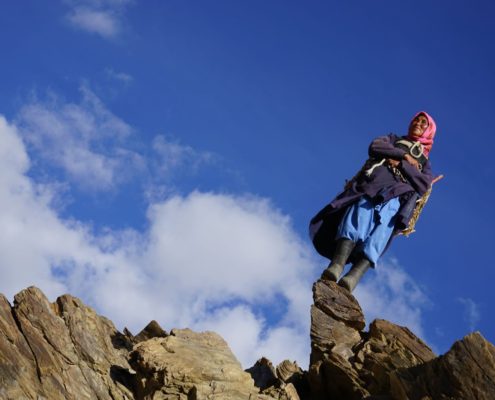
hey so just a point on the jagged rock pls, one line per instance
(263, 374)
(389, 361)
(290, 392)
(388, 348)
(284, 392)
(339, 380)
(466, 371)
(153, 329)
(188, 365)
(18, 375)
(100, 348)
(279, 383)
(71, 352)
(64, 350)
(400, 341)
(50, 342)
(330, 335)
(338, 303)
(336, 319)
(288, 371)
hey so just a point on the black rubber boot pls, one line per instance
(342, 252)
(352, 278)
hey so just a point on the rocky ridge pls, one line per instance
(388, 361)
(64, 350)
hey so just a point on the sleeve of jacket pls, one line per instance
(419, 180)
(383, 147)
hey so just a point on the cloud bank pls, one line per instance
(93, 148)
(206, 261)
(85, 140)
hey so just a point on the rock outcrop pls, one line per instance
(191, 366)
(285, 382)
(64, 350)
(389, 361)
(58, 351)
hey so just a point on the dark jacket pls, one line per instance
(380, 186)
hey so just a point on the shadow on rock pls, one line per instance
(123, 376)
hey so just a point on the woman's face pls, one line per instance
(418, 126)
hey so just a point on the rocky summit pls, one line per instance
(64, 350)
(388, 361)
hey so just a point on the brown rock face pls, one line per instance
(389, 361)
(18, 374)
(336, 321)
(338, 304)
(466, 371)
(263, 373)
(64, 350)
(189, 365)
(71, 351)
(285, 382)
(152, 330)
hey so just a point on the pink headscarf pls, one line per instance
(427, 138)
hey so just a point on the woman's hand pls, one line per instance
(393, 163)
(411, 160)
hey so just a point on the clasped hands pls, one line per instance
(410, 159)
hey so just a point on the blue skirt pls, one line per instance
(369, 226)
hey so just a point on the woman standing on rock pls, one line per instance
(379, 202)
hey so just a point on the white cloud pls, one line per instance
(205, 253)
(32, 237)
(390, 293)
(239, 327)
(472, 314)
(285, 342)
(92, 146)
(172, 155)
(202, 256)
(119, 76)
(104, 23)
(85, 140)
(170, 161)
(101, 17)
(251, 339)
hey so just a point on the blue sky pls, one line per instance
(162, 159)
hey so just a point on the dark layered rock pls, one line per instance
(338, 304)
(285, 382)
(18, 373)
(152, 330)
(386, 349)
(289, 372)
(389, 362)
(466, 371)
(263, 373)
(336, 323)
